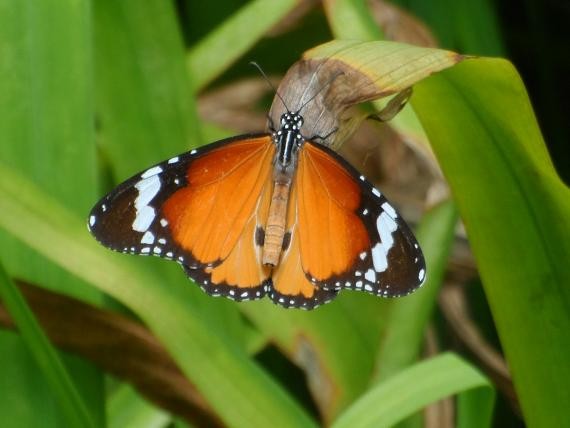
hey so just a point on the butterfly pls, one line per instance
(273, 214)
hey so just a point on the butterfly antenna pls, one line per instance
(332, 79)
(256, 65)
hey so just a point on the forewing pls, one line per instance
(200, 209)
(350, 235)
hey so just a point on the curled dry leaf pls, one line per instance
(332, 78)
(119, 346)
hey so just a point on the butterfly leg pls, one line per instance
(394, 106)
(322, 138)
(271, 124)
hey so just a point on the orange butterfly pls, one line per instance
(268, 214)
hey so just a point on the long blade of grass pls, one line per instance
(327, 343)
(127, 409)
(407, 320)
(226, 43)
(45, 355)
(147, 109)
(47, 133)
(351, 20)
(515, 209)
(237, 388)
(144, 99)
(411, 390)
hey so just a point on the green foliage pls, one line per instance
(78, 76)
(515, 209)
(44, 354)
(402, 395)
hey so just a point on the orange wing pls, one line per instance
(290, 285)
(345, 234)
(201, 209)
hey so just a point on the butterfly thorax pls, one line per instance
(288, 140)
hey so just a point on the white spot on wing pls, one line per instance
(174, 159)
(193, 151)
(379, 258)
(376, 192)
(370, 275)
(385, 226)
(151, 172)
(147, 238)
(422, 274)
(92, 220)
(144, 219)
(163, 222)
(389, 209)
(362, 255)
(148, 189)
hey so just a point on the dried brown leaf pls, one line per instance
(119, 346)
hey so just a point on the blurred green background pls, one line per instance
(94, 91)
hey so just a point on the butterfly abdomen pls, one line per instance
(276, 221)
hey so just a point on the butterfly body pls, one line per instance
(265, 214)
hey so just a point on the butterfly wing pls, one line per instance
(290, 287)
(201, 209)
(349, 234)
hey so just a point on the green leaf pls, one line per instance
(465, 25)
(408, 318)
(127, 409)
(327, 343)
(45, 355)
(46, 117)
(411, 390)
(147, 110)
(47, 133)
(235, 386)
(145, 101)
(351, 20)
(515, 210)
(226, 43)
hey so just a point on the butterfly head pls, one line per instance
(291, 122)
